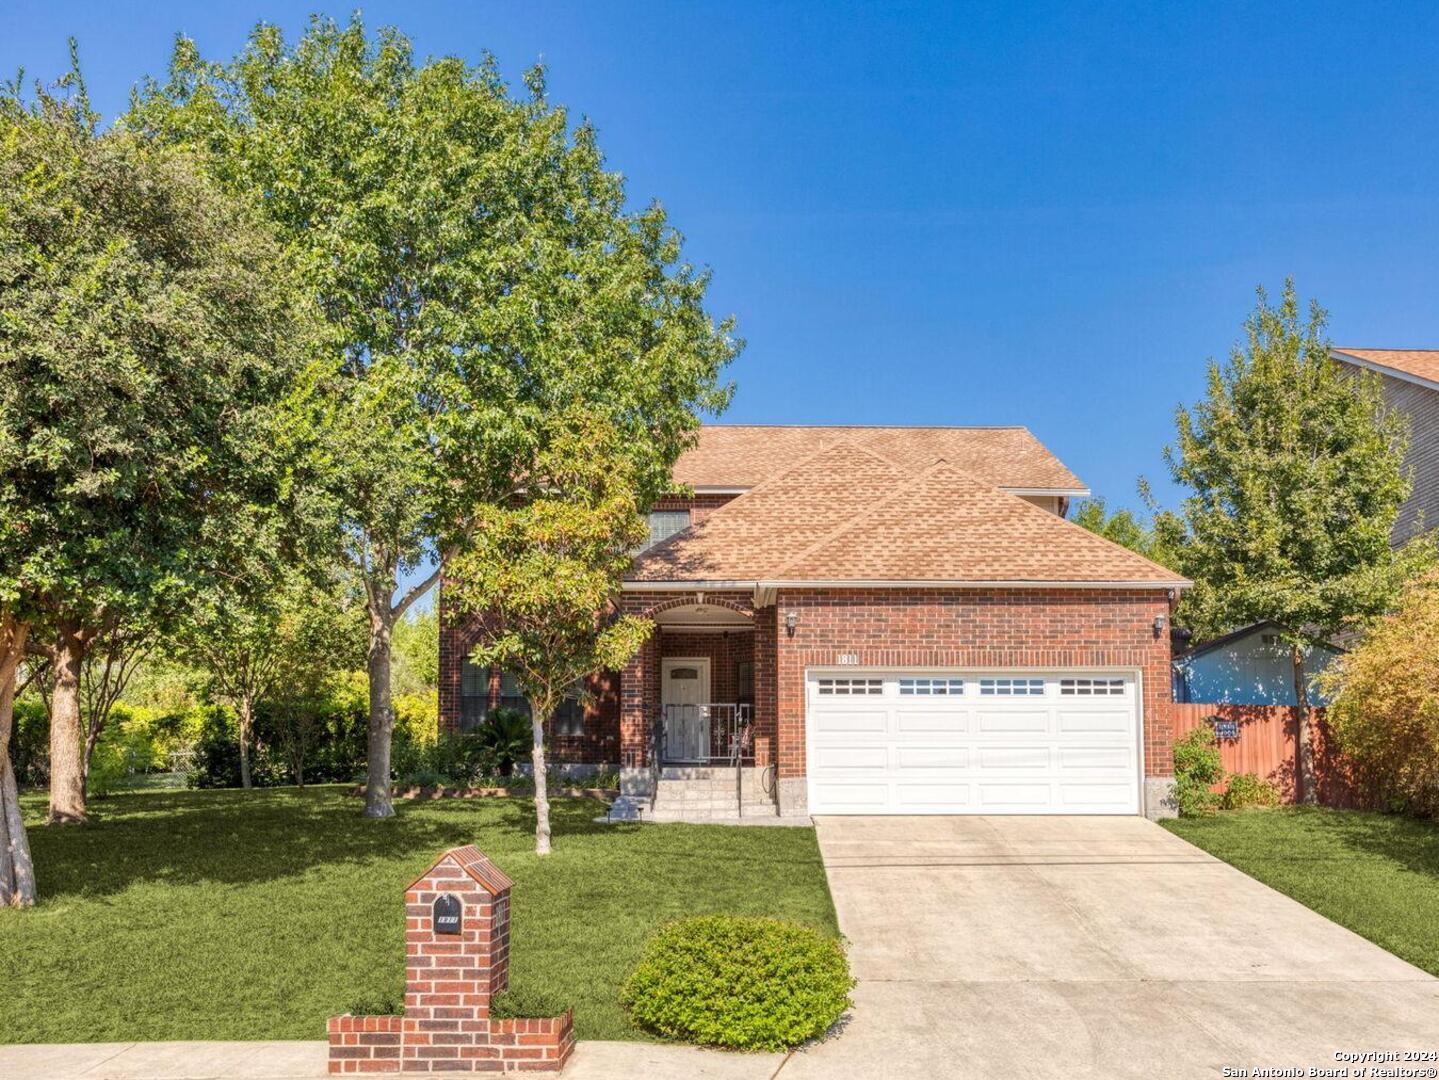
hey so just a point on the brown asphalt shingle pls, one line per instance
(847, 513)
(743, 455)
(1421, 363)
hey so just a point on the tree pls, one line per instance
(17, 870)
(1385, 706)
(1121, 527)
(115, 655)
(1297, 475)
(148, 324)
(545, 569)
(272, 640)
(478, 269)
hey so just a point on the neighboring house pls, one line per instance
(878, 620)
(1410, 378)
(1249, 666)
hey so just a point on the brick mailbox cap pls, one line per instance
(470, 859)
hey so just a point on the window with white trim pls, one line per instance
(851, 687)
(931, 687)
(664, 524)
(1011, 687)
(1091, 687)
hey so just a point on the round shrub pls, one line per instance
(1197, 769)
(1246, 790)
(746, 983)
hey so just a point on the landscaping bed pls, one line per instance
(258, 915)
(1377, 874)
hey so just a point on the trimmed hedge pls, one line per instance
(741, 982)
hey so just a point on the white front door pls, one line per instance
(973, 742)
(684, 693)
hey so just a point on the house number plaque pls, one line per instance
(447, 914)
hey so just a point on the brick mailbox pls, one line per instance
(457, 957)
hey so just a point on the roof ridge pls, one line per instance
(850, 522)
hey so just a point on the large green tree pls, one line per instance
(1296, 476)
(478, 268)
(544, 570)
(147, 328)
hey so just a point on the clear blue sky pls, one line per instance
(1039, 214)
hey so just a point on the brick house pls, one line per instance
(876, 620)
(1410, 381)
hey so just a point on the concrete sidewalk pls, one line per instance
(307, 1061)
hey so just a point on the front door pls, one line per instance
(684, 693)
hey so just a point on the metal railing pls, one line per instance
(716, 733)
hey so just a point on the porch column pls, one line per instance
(637, 707)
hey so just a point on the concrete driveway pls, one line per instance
(1090, 947)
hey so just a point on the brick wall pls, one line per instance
(700, 506)
(450, 980)
(973, 628)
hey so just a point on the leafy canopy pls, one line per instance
(544, 569)
(475, 262)
(1296, 473)
(146, 332)
(1122, 527)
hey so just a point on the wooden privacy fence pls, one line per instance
(1265, 745)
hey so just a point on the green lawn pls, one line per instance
(1377, 874)
(233, 915)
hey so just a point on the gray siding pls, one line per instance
(1421, 404)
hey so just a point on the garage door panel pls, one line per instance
(933, 757)
(914, 750)
(926, 721)
(995, 721)
(852, 721)
(1085, 721)
(914, 797)
(852, 757)
(1031, 758)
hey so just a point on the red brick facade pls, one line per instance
(450, 980)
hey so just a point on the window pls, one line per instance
(511, 696)
(474, 694)
(685, 673)
(931, 687)
(1011, 687)
(569, 718)
(664, 524)
(1091, 687)
(744, 682)
(851, 687)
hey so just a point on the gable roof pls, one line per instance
(846, 514)
(744, 455)
(1230, 638)
(1412, 365)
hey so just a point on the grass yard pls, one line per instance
(256, 915)
(1377, 874)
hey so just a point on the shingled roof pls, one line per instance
(1418, 363)
(846, 513)
(743, 455)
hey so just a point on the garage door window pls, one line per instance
(850, 687)
(1011, 687)
(931, 687)
(1091, 687)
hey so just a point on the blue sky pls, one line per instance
(1036, 214)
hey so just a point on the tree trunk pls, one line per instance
(542, 795)
(17, 871)
(1305, 791)
(67, 771)
(247, 712)
(382, 718)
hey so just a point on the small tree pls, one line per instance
(1122, 527)
(545, 570)
(1385, 706)
(1297, 474)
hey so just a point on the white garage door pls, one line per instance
(973, 743)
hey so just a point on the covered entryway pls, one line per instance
(973, 742)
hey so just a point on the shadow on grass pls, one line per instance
(238, 838)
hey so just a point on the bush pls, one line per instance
(525, 1004)
(507, 739)
(1385, 709)
(746, 983)
(1196, 769)
(1246, 790)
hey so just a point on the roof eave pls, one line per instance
(1383, 369)
(720, 585)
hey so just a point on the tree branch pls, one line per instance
(418, 591)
